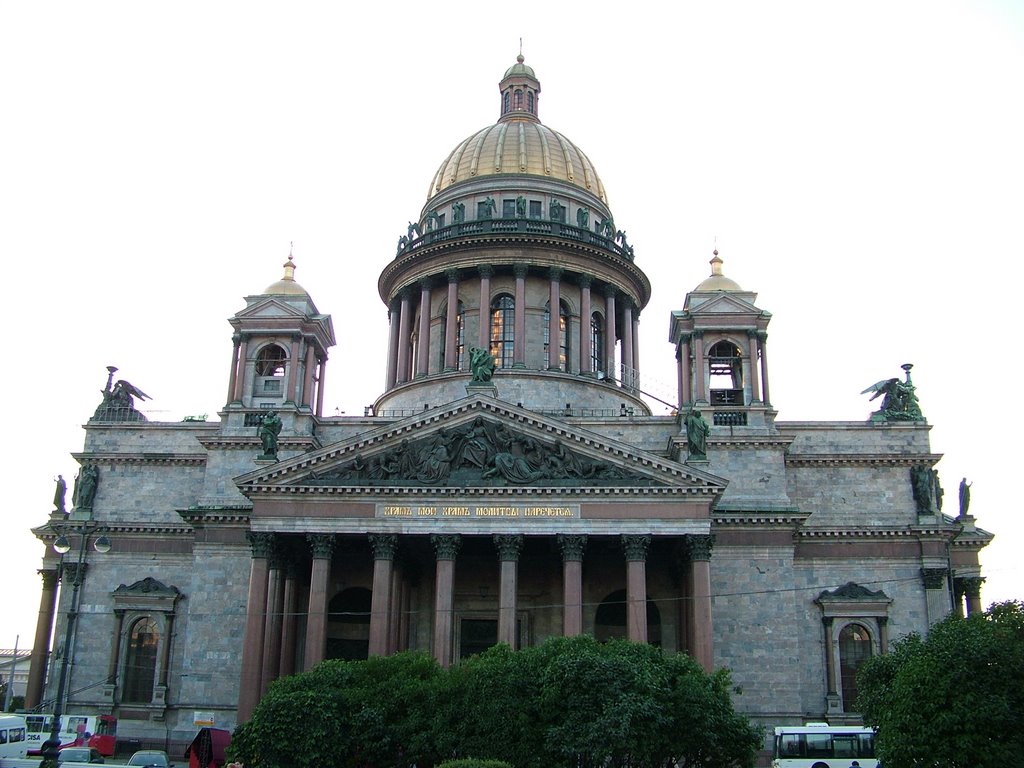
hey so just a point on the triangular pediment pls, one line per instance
(723, 304)
(269, 307)
(481, 443)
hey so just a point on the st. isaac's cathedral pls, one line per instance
(510, 484)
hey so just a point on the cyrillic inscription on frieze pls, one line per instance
(477, 512)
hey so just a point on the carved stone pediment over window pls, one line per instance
(147, 594)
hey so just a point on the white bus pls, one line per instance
(820, 745)
(13, 741)
(98, 731)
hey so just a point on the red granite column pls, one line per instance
(289, 618)
(554, 318)
(243, 353)
(628, 371)
(972, 589)
(609, 336)
(509, 547)
(635, 548)
(423, 333)
(392, 372)
(322, 546)
(701, 393)
(572, 547)
(384, 546)
(404, 321)
(41, 645)
(755, 386)
(275, 606)
(519, 349)
(320, 385)
(484, 329)
(700, 568)
(307, 380)
(762, 338)
(685, 383)
(636, 349)
(585, 319)
(233, 373)
(451, 325)
(255, 626)
(447, 548)
(395, 617)
(293, 370)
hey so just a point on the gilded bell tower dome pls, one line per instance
(516, 253)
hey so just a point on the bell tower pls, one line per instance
(720, 338)
(280, 350)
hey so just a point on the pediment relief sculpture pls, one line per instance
(482, 453)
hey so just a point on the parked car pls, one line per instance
(150, 758)
(79, 755)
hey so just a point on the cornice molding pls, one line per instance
(179, 459)
(862, 459)
(242, 442)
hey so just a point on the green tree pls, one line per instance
(953, 699)
(568, 702)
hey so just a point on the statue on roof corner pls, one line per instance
(268, 432)
(697, 431)
(481, 365)
(900, 402)
(119, 400)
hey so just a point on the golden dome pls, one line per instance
(717, 281)
(518, 144)
(286, 286)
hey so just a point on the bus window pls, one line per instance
(819, 744)
(789, 745)
(845, 745)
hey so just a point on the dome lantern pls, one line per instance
(520, 92)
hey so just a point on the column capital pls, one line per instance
(572, 546)
(585, 280)
(49, 578)
(555, 273)
(452, 274)
(485, 270)
(610, 291)
(762, 335)
(446, 546)
(384, 545)
(934, 578)
(321, 545)
(635, 547)
(261, 543)
(827, 621)
(972, 585)
(75, 571)
(520, 270)
(425, 284)
(509, 546)
(752, 333)
(697, 333)
(699, 547)
(236, 338)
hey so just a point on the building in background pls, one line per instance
(511, 483)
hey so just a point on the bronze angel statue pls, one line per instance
(899, 402)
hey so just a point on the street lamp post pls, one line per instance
(63, 545)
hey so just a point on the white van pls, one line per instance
(12, 736)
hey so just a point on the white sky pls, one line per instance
(861, 165)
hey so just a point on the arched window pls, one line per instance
(140, 661)
(348, 624)
(529, 102)
(563, 336)
(460, 335)
(503, 330)
(854, 650)
(596, 343)
(519, 99)
(726, 367)
(505, 103)
(271, 361)
(610, 619)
